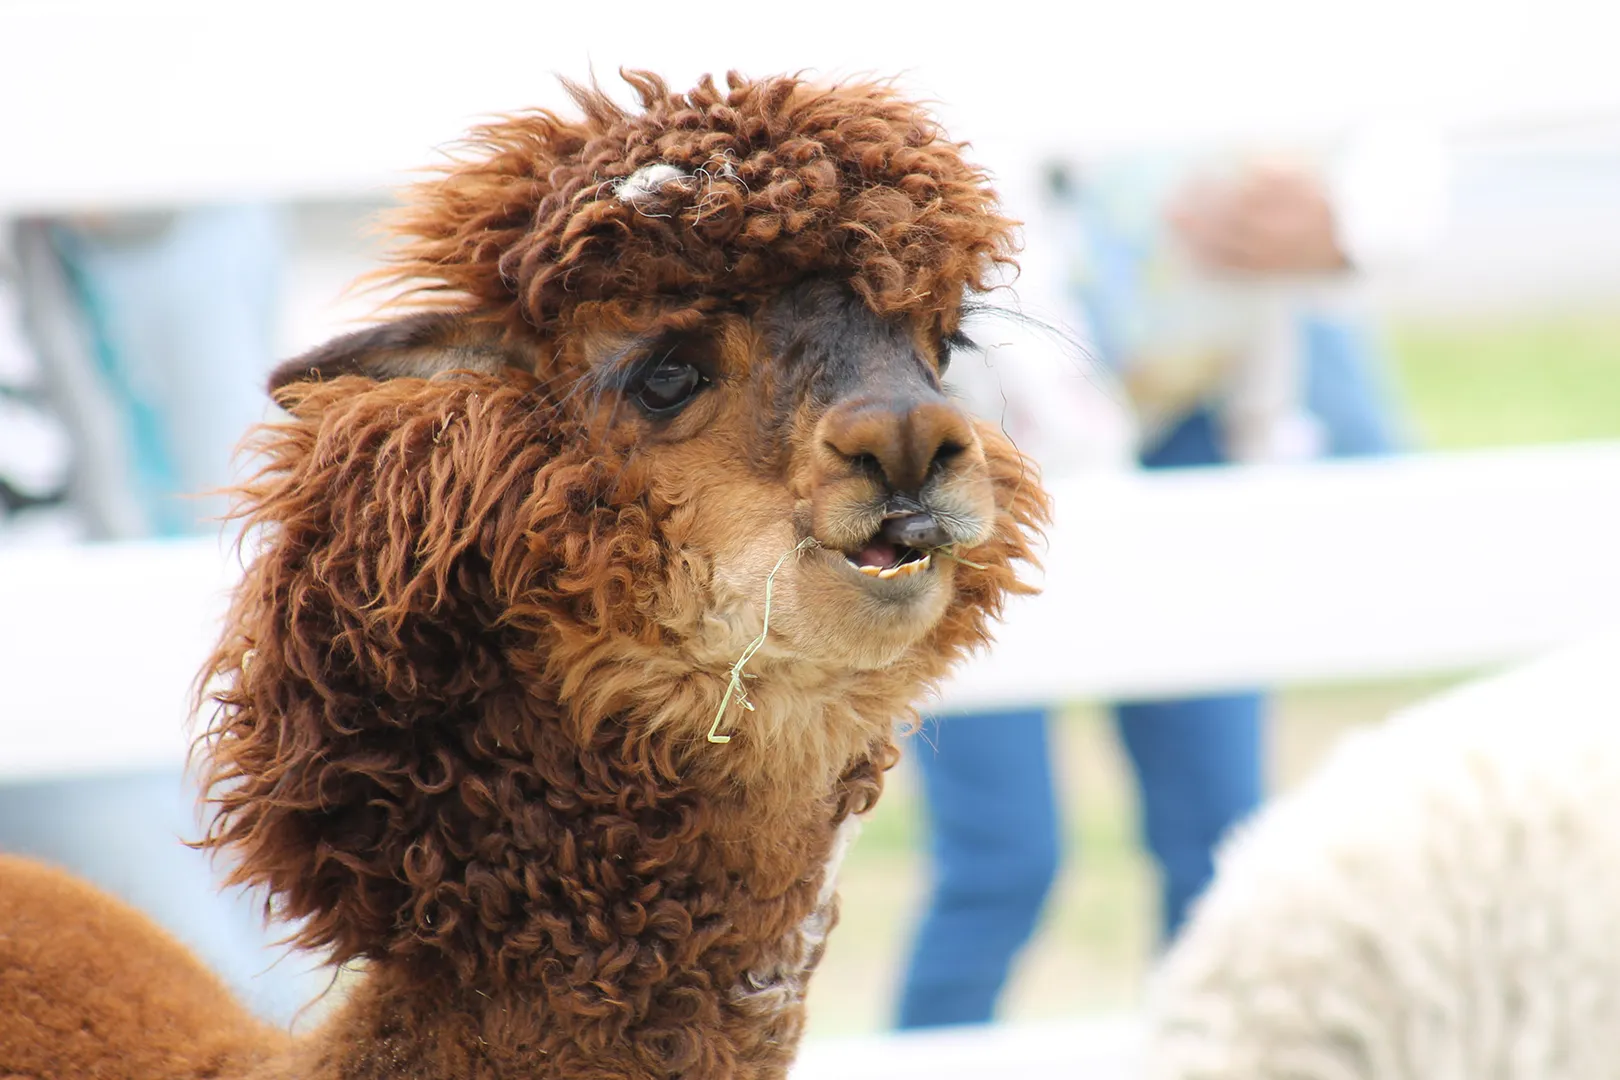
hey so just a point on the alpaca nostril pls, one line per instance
(915, 531)
(944, 454)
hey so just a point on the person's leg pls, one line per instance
(1198, 764)
(1198, 761)
(1348, 388)
(987, 786)
(1195, 441)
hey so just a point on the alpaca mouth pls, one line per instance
(881, 559)
(903, 545)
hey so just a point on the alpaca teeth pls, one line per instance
(916, 566)
(903, 570)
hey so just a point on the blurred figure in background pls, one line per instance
(1219, 296)
(153, 334)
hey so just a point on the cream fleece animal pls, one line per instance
(1440, 902)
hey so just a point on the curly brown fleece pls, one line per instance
(462, 695)
(786, 179)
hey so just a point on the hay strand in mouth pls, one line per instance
(735, 691)
(949, 551)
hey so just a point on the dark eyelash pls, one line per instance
(621, 371)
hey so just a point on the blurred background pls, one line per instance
(1381, 232)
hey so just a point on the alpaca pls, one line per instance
(1437, 903)
(482, 727)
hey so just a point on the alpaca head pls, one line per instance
(662, 360)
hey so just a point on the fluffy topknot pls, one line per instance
(708, 193)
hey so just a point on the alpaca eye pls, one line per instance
(668, 386)
(948, 347)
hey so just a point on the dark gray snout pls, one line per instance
(919, 531)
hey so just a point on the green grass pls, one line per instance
(1507, 383)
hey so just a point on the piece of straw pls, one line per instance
(950, 553)
(735, 691)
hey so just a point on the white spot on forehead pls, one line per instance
(644, 185)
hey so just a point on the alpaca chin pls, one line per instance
(823, 611)
(859, 624)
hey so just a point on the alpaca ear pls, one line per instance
(417, 346)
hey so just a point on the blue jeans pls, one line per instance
(987, 781)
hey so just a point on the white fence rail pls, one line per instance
(1103, 1048)
(1218, 579)
(1158, 583)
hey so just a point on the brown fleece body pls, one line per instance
(89, 987)
(495, 589)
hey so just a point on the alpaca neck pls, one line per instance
(706, 980)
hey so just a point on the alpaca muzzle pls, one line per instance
(914, 476)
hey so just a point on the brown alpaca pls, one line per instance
(505, 554)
